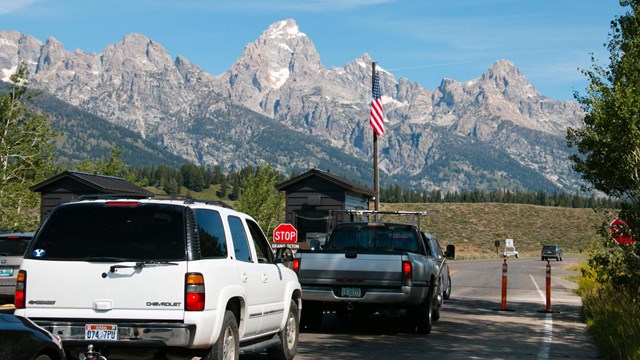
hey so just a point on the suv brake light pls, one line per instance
(21, 290)
(194, 292)
(296, 265)
(123, 203)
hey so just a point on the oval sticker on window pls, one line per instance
(38, 252)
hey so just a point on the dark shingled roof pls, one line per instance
(338, 180)
(102, 183)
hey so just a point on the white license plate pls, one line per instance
(351, 292)
(6, 271)
(100, 332)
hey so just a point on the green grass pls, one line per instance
(613, 319)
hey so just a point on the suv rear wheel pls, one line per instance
(228, 345)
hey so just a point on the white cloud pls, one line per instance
(9, 6)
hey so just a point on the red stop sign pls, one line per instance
(285, 233)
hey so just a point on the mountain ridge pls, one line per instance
(136, 84)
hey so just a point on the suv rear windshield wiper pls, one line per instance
(140, 265)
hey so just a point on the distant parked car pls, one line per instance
(21, 339)
(551, 251)
(12, 248)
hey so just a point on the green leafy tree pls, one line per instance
(608, 143)
(260, 199)
(26, 154)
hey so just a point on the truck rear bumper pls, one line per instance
(405, 295)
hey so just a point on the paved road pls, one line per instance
(472, 325)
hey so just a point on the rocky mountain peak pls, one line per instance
(285, 29)
(281, 53)
(136, 52)
(504, 78)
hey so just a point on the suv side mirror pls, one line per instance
(284, 255)
(450, 253)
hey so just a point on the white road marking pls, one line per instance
(545, 347)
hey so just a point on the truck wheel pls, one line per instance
(288, 346)
(311, 315)
(447, 290)
(228, 345)
(422, 315)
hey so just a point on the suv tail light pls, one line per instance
(407, 270)
(194, 292)
(21, 290)
(296, 265)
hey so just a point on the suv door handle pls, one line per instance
(265, 278)
(244, 277)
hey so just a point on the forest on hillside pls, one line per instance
(198, 178)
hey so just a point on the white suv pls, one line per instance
(160, 278)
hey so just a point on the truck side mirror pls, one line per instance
(450, 253)
(314, 245)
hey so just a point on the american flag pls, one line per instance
(377, 120)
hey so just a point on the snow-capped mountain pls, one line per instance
(493, 131)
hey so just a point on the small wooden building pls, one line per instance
(310, 196)
(71, 185)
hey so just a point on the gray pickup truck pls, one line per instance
(369, 267)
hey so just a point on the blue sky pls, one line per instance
(421, 40)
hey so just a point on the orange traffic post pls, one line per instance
(504, 285)
(548, 308)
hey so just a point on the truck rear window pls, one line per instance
(13, 247)
(379, 238)
(96, 232)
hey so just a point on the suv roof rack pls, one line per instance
(190, 200)
(112, 196)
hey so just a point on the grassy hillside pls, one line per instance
(474, 227)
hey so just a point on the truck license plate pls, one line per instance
(6, 271)
(100, 332)
(351, 292)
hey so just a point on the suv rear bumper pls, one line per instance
(129, 333)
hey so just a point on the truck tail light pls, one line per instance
(295, 265)
(194, 292)
(407, 270)
(21, 290)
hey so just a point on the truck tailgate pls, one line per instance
(362, 270)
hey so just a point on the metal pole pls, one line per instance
(376, 187)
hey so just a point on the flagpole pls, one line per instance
(376, 185)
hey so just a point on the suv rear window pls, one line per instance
(99, 232)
